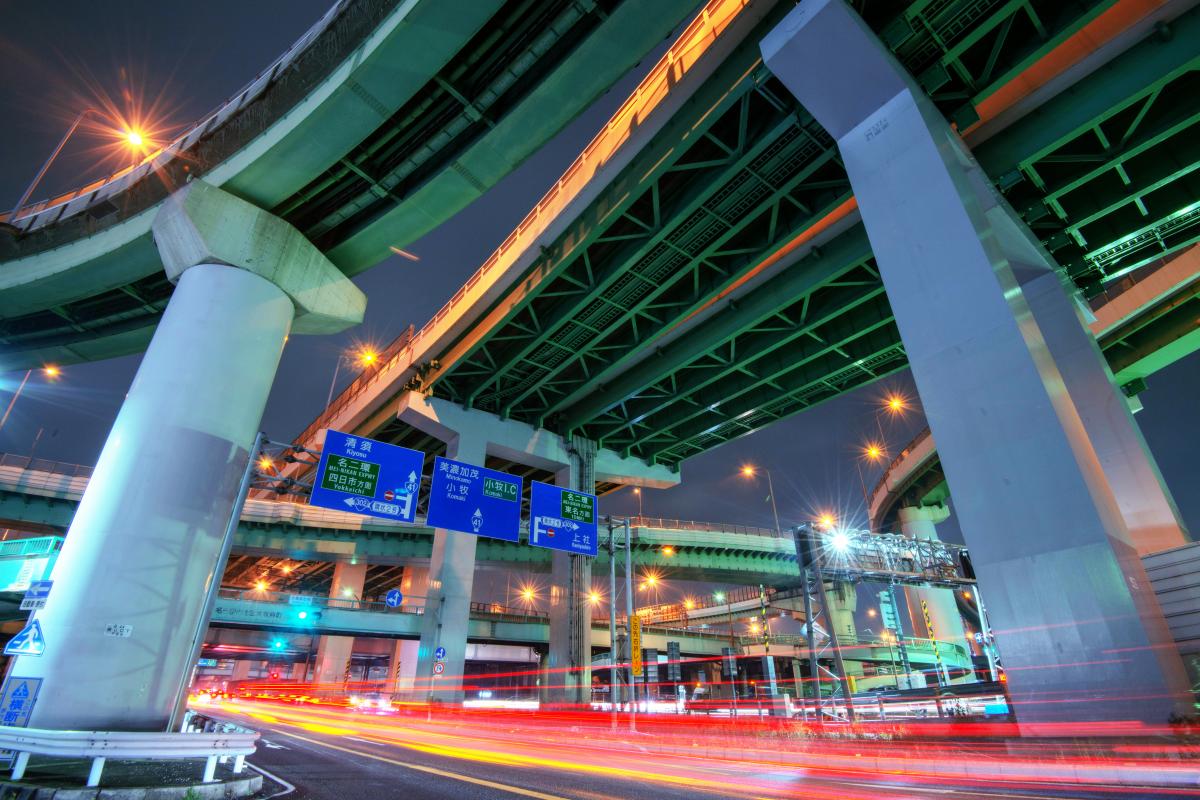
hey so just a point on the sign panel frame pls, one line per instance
(476, 500)
(635, 645)
(365, 476)
(563, 519)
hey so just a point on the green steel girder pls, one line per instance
(812, 322)
(961, 51)
(732, 320)
(769, 404)
(617, 268)
(701, 251)
(716, 126)
(806, 362)
(761, 234)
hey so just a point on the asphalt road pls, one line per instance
(326, 761)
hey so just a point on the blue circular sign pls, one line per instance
(393, 598)
(440, 653)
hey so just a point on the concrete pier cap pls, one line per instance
(522, 443)
(201, 224)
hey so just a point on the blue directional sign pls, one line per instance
(35, 595)
(367, 477)
(17, 699)
(29, 642)
(474, 499)
(393, 599)
(562, 519)
(439, 654)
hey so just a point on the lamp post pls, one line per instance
(750, 471)
(364, 358)
(132, 137)
(638, 491)
(50, 371)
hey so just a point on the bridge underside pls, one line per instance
(663, 322)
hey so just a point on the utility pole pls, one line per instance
(629, 612)
(612, 623)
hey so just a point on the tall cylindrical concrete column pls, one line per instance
(448, 599)
(144, 543)
(843, 603)
(334, 652)
(142, 551)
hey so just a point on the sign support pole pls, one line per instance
(629, 611)
(214, 583)
(612, 624)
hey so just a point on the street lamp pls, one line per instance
(131, 136)
(637, 490)
(362, 357)
(749, 471)
(895, 404)
(50, 371)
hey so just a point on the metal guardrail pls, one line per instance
(102, 745)
(316, 601)
(45, 465)
(705, 29)
(705, 527)
(45, 212)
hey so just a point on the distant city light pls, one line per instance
(689, 603)
(347, 591)
(668, 550)
(265, 463)
(719, 597)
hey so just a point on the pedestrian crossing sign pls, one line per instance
(29, 642)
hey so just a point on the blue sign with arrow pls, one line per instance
(475, 500)
(439, 654)
(393, 599)
(367, 477)
(29, 642)
(562, 519)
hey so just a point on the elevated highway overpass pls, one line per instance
(700, 272)
(42, 497)
(384, 120)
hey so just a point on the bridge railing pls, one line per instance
(705, 29)
(304, 601)
(45, 465)
(665, 523)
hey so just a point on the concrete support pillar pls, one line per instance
(299, 672)
(153, 517)
(1050, 545)
(944, 616)
(241, 669)
(843, 603)
(448, 598)
(569, 680)
(415, 586)
(403, 665)
(334, 652)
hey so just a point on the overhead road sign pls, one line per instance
(29, 642)
(472, 499)
(367, 477)
(562, 519)
(35, 595)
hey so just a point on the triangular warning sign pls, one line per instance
(29, 642)
(22, 690)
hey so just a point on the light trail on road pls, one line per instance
(530, 753)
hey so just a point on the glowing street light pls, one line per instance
(750, 471)
(689, 603)
(827, 520)
(362, 357)
(873, 451)
(260, 586)
(895, 404)
(50, 371)
(840, 541)
(266, 464)
(134, 138)
(668, 550)
(594, 598)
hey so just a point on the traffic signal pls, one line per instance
(274, 676)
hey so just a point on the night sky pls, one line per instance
(56, 58)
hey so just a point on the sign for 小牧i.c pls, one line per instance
(635, 644)
(472, 499)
